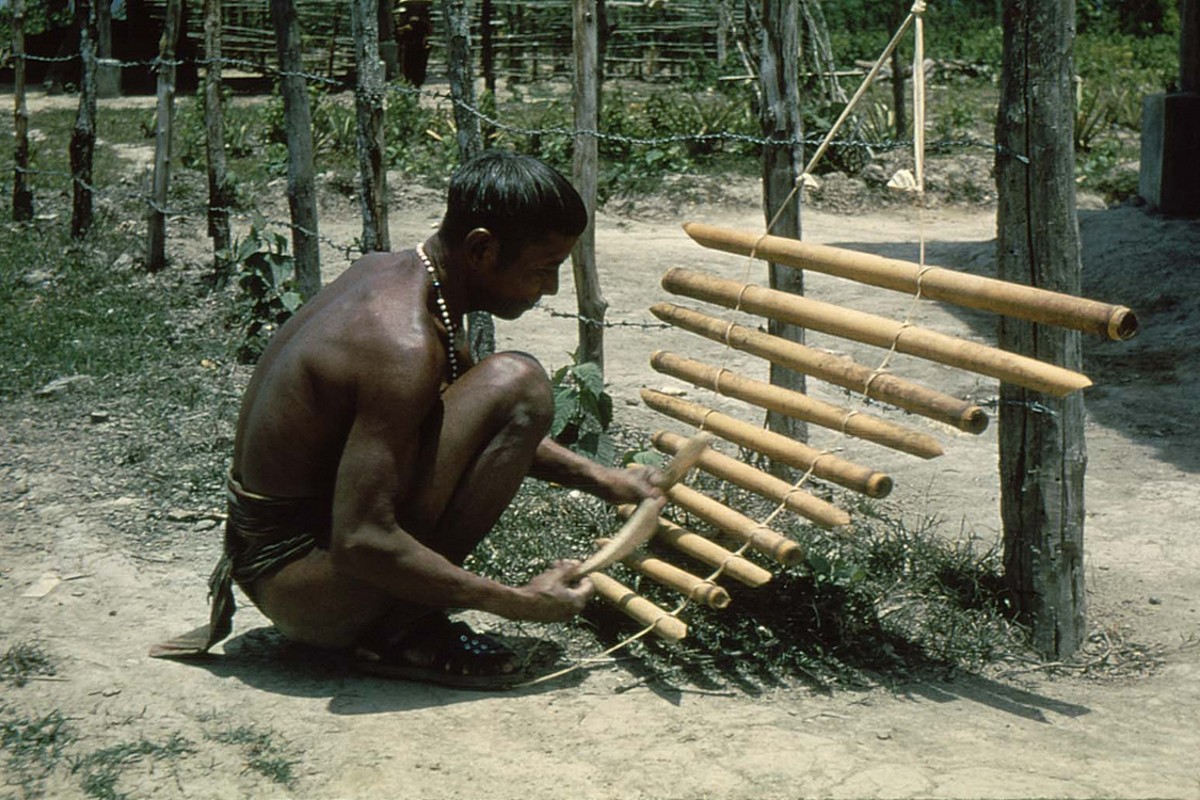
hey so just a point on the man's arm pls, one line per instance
(556, 463)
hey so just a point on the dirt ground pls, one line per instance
(602, 734)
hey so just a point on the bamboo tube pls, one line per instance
(671, 576)
(763, 539)
(878, 331)
(706, 551)
(936, 283)
(638, 607)
(795, 404)
(781, 448)
(837, 370)
(753, 480)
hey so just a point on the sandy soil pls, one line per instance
(603, 734)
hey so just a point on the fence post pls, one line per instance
(220, 192)
(156, 250)
(22, 198)
(368, 101)
(782, 164)
(83, 137)
(592, 305)
(481, 328)
(1043, 455)
(301, 188)
(108, 76)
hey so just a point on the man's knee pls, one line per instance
(523, 386)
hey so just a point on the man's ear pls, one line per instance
(482, 249)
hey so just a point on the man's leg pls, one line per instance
(475, 454)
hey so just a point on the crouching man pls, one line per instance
(372, 455)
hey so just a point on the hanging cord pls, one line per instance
(915, 15)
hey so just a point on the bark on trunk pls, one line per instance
(22, 198)
(156, 248)
(782, 164)
(301, 189)
(1042, 452)
(589, 297)
(220, 191)
(372, 191)
(83, 137)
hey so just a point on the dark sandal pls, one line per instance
(457, 656)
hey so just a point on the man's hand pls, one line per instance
(631, 485)
(556, 595)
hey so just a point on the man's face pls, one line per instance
(514, 288)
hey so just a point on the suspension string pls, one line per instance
(915, 15)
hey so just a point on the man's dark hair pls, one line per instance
(516, 197)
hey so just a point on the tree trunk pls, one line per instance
(156, 247)
(481, 328)
(220, 191)
(899, 104)
(22, 198)
(782, 164)
(83, 137)
(1042, 451)
(301, 191)
(372, 190)
(590, 299)
(1189, 46)
(108, 76)
(487, 46)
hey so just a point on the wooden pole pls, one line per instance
(156, 246)
(220, 189)
(1043, 455)
(737, 525)
(936, 283)
(108, 76)
(785, 401)
(638, 608)
(368, 103)
(837, 370)
(481, 328)
(22, 197)
(671, 576)
(783, 161)
(83, 137)
(773, 445)
(878, 331)
(589, 297)
(775, 489)
(1189, 46)
(301, 185)
(705, 551)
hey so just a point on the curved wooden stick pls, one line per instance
(644, 522)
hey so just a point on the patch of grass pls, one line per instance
(101, 770)
(893, 599)
(262, 751)
(23, 660)
(33, 747)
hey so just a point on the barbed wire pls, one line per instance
(497, 124)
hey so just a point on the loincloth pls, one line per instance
(262, 535)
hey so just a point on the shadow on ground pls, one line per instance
(264, 659)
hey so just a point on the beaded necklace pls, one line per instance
(444, 311)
